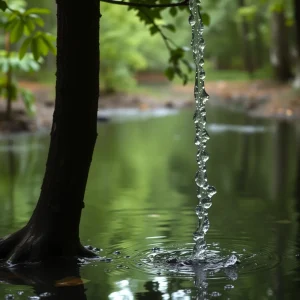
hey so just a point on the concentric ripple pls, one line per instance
(220, 262)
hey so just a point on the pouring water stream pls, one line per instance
(205, 191)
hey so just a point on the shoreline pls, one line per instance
(259, 99)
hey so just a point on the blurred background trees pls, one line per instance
(249, 38)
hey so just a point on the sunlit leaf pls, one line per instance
(35, 10)
(17, 32)
(48, 40)
(37, 20)
(24, 47)
(35, 48)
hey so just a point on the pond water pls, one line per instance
(140, 203)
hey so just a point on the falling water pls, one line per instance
(204, 190)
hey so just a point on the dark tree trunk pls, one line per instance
(53, 229)
(8, 80)
(297, 25)
(280, 59)
(247, 47)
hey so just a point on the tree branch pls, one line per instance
(135, 4)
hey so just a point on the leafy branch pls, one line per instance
(136, 4)
(176, 58)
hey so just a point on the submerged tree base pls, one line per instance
(26, 246)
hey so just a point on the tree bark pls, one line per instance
(53, 229)
(280, 47)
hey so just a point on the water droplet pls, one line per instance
(216, 294)
(201, 178)
(228, 287)
(206, 202)
(231, 261)
(197, 140)
(202, 75)
(117, 252)
(205, 136)
(199, 210)
(155, 249)
(46, 294)
(9, 297)
(192, 20)
(204, 156)
(211, 191)
(34, 298)
(198, 236)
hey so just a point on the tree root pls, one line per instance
(24, 246)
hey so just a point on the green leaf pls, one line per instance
(153, 29)
(38, 21)
(35, 48)
(9, 26)
(171, 27)
(17, 32)
(30, 25)
(173, 11)
(170, 72)
(24, 47)
(48, 40)
(29, 101)
(3, 5)
(35, 10)
(205, 19)
(42, 47)
(176, 54)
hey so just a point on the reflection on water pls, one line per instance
(141, 196)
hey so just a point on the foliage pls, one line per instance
(22, 27)
(120, 55)
(10, 87)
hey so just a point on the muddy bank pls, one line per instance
(257, 98)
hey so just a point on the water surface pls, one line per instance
(141, 197)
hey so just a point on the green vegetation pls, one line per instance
(239, 45)
(22, 31)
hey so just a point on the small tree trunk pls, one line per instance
(8, 80)
(247, 47)
(259, 46)
(53, 229)
(280, 47)
(297, 25)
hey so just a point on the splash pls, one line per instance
(204, 191)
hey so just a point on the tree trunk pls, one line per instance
(258, 42)
(280, 47)
(8, 80)
(53, 229)
(297, 25)
(247, 47)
